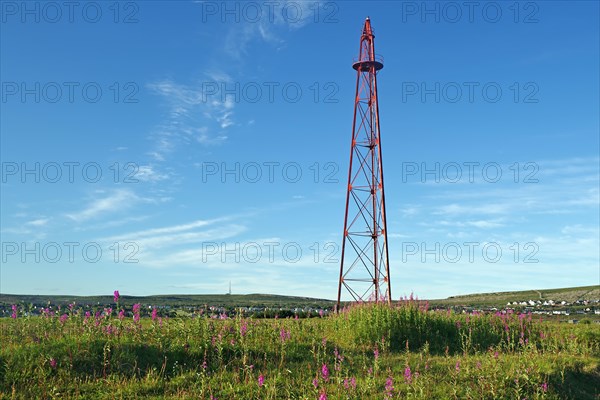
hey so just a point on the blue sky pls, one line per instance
(173, 147)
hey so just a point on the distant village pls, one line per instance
(217, 312)
(550, 307)
(571, 312)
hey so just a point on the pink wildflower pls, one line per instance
(325, 372)
(261, 380)
(407, 375)
(136, 312)
(284, 335)
(389, 388)
(243, 328)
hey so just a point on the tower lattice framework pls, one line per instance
(364, 267)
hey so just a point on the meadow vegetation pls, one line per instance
(367, 351)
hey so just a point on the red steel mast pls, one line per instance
(364, 267)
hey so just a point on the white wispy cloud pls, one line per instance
(484, 224)
(38, 222)
(191, 110)
(579, 229)
(116, 200)
(276, 19)
(167, 229)
(178, 244)
(148, 173)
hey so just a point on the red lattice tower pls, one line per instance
(364, 268)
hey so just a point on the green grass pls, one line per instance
(370, 352)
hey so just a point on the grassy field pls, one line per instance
(365, 352)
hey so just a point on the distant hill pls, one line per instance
(177, 300)
(275, 301)
(569, 295)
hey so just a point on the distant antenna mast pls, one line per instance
(229, 288)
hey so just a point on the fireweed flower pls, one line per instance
(121, 314)
(243, 328)
(338, 357)
(64, 318)
(154, 314)
(457, 366)
(350, 383)
(14, 311)
(544, 387)
(389, 388)
(315, 382)
(261, 380)
(323, 396)
(284, 335)
(116, 296)
(136, 312)
(407, 375)
(325, 372)
(53, 363)
(376, 353)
